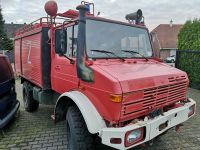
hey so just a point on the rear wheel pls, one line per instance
(30, 104)
(78, 136)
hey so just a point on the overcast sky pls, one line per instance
(155, 11)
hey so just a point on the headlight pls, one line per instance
(191, 110)
(134, 136)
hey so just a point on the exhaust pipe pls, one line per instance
(84, 72)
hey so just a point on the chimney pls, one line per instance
(171, 23)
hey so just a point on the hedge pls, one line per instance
(189, 55)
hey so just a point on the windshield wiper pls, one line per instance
(135, 52)
(107, 52)
(71, 60)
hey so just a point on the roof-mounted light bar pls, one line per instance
(88, 6)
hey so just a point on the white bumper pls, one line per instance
(174, 117)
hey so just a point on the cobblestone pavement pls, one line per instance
(37, 131)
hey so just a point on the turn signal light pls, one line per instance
(116, 98)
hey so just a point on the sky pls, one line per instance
(155, 11)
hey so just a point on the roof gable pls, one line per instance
(167, 35)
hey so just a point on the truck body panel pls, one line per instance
(17, 56)
(33, 57)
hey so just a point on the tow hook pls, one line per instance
(178, 127)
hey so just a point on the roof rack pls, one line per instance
(41, 22)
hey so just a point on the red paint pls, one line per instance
(51, 8)
(28, 58)
(17, 44)
(69, 14)
(72, 14)
(144, 85)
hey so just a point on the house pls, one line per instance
(165, 39)
(10, 28)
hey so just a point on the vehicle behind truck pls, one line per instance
(102, 77)
(8, 100)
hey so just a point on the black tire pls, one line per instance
(78, 136)
(173, 61)
(30, 104)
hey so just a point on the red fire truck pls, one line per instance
(102, 77)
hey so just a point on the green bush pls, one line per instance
(189, 61)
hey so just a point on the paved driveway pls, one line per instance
(37, 131)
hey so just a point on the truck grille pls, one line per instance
(156, 97)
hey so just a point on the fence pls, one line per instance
(189, 61)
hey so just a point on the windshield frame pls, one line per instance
(120, 23)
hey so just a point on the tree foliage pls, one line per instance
(5, 42)
(189, 36)
(189, 46)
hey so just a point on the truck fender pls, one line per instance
(92, 118)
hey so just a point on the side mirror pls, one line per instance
(63, 42)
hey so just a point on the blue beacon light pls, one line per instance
(88, 7)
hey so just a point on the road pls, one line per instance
(37, 131)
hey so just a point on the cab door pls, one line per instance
(64, 75)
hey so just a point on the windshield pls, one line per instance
(116, 38)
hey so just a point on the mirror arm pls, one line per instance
(71, 60)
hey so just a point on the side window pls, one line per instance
(72, 33)
(57, 40)
(75, 40)
(69, 41)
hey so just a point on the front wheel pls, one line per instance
(30, 104)
(78, 136)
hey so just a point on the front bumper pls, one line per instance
(173, 117)
(5, 120)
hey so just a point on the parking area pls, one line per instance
(37, 131)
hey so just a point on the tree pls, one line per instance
(189, 36)
(189, 61)
(5, 42)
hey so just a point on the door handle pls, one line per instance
(57, 68)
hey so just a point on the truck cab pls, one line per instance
(8, 102)
(102, 77)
